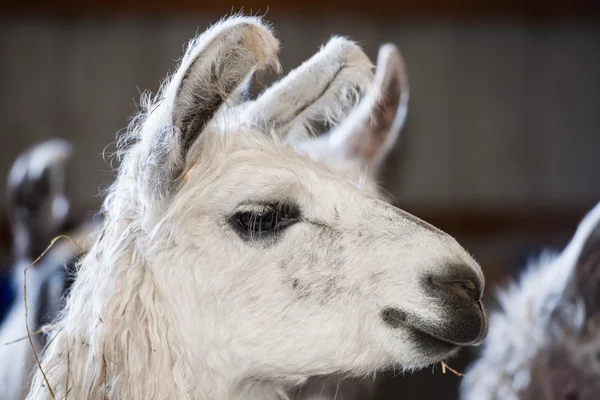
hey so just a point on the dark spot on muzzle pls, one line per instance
(393, 317)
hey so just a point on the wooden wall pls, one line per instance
(403, 9)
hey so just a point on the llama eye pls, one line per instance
(259, 221)
(264, 221)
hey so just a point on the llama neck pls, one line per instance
(126, 341)
(127, 336)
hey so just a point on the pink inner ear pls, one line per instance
(369, 140)
(364, 145)
(187, 174)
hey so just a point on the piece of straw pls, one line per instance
(104, 371)
(35, 333)
(446, 367)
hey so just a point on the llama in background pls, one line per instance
(38, 211)
(545, 342)
(233, 267)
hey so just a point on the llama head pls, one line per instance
(37, 201)
(272, 262)
(545, 343)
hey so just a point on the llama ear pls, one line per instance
(585, 250)
(214, 72)
(317, 94)
(370, 132)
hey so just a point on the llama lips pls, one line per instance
(435, 349)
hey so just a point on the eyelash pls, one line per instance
(265, 220)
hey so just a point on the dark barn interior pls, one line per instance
(501, 145)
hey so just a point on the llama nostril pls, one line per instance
(458, 293)
(462, 287)
(467, 287)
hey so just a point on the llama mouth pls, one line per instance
(431, 346)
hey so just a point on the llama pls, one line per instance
(390, 67)
(390, 79)
(39, 210)
(232, 265)
(545, 342)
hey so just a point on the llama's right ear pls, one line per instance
(213, 73)
(370, 131)
(585, 250)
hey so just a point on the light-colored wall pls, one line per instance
(500, 113)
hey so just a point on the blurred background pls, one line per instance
(502, 144)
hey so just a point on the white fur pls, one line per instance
(172, 303)
(366, 126)
(323, 89)
(389, 93)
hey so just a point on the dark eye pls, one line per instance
(265, 220)
(259, 221)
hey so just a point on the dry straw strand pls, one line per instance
(35, 333)
(68, 370)
(105, 387)
(446, 367)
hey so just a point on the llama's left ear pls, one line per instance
(585, 250)
(369, 133)
(214, 73)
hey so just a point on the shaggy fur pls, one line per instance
(545, 341)
(178, 299)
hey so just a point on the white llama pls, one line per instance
(38, 211)
(232, 267)
(45, 297)
(545, 342)
(388, 115)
